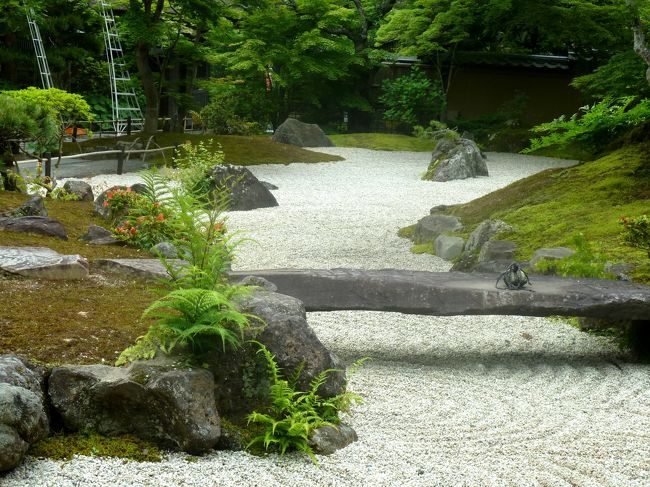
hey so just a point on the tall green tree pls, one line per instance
(436, 30)
(156, 28)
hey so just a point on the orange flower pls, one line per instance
(160, 217)
(134, 230)
(105, 204)
(218, 227)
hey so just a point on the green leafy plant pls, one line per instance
(594, 125)
(412, 99)
(636, 232)
(63, 195)
(584, 263)
(189, 317)
(220, 117)
(294, 414)
(193, 164)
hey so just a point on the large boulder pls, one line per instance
(496, 256)
(241, 376)
(42, 263)
(174, 408)
(302, 134)
(456, 158)
(430, 226)
(41, 225)
(246, 191)
(23, 410)
(81, 189)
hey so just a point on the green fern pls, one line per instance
(294, 414)
(190, 316)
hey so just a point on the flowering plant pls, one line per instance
(119, 201)
(636, 231)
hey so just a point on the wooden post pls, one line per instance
(74, 133)
(120, 161)
(48, 164)
(129, 123)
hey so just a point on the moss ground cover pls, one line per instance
(550, 208)
(240, 150)
(392, 142)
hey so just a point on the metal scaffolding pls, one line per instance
(41, 58)
(124, 101)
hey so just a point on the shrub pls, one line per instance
(193, 164)
(220, 117)
(412, 99)
(293, 414)
(594, 125)
(636, 232)
(140, 220)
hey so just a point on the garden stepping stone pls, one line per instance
(42, 263)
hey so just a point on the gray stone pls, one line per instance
(173, 408)
(268, 185)
(448, 247)
(484, 232)
(241, 375)
(456, 293)
(327, 439)
(35, 206)
(12, 448)
(165, 249)
(259, 282)
(42, 263)
(456, 159)
(429, 227)
(295, 132)
(246, 192)
(620, 270)
(23, 410)
(555, 253)
(80, 188)
(439, 209)
(142, 268)
(497, 250)
(97, 235)
(40, 225)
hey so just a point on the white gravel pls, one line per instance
(448, 400)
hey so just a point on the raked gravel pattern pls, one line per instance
(449, 401)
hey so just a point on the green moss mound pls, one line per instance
(548, 209)
(388, 142)
(65, 446)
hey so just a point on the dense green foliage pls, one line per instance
(636, 232)
(584, 263)
(294, 414)
(594, 126)
(412, 99)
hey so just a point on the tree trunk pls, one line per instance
(640, 45)
(149, 87)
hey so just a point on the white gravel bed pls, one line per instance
(449, 401)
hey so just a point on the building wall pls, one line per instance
(477, 90)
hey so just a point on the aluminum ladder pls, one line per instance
(124, 101)
(41, 58)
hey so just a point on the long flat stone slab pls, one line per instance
(448, 293)
(42, 263)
